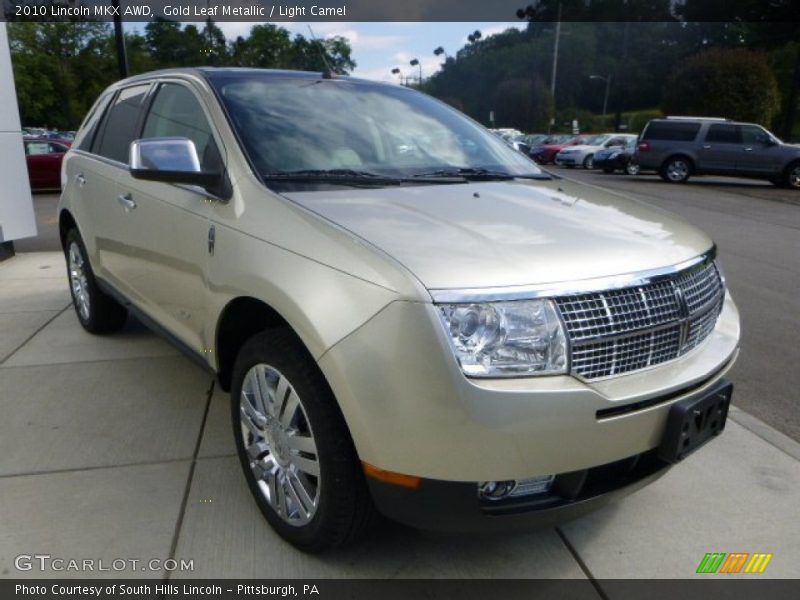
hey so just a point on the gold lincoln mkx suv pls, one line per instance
(411, 317)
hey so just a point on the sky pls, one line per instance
(380, 47)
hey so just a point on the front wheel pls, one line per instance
(676, 170)
(97, 312)
(294, 446)
(588, 162)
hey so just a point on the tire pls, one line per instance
(588, 162)
(97, 312)
(298, 458)
(632, 168)
(792, 177)
(676, 169)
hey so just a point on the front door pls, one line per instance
(760, 155)
(167, 247)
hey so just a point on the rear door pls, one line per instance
(40, 162)
(93, 180)
(720, 149)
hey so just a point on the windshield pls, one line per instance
(320, 127)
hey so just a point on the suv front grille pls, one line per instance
(623, 330)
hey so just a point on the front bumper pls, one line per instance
(411, 410)
(456, 507)
(564, 161)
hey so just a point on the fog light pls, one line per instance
(499, 490)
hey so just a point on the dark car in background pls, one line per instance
(679, 147)
(618, 158)
(43, 157)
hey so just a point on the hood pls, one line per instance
(523, 232)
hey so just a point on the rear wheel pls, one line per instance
(676, 169)
(792, 179)
(294, 446)
(97, 312)
(632, 168)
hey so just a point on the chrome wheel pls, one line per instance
(280, 444)
(78, 281)
(794, 177)
(632, 169)
(677, 170)
(588, 162)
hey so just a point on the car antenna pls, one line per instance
(328, 73)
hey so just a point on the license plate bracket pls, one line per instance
(693, 421)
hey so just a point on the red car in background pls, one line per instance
(44, 158)
(545, 153)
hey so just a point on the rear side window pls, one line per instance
(119, 127)
(89, 127)
(723, 134)
(176, 112)
(677, 131)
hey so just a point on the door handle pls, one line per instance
(80, 180)
(748, 149)
(127, 201)
(706, 146)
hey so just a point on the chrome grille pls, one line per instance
(623, 330)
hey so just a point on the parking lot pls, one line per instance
(118, 447)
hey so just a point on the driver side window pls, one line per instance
(754, 135)
(176, 112)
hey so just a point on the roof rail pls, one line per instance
(678, 118)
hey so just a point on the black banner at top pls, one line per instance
(405, 10)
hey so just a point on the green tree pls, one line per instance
(52, 64)
(724, 82)
(524, 104)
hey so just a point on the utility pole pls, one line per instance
(555, 55)
(621, 77)
(119, 37)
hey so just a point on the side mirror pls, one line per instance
(174, 160)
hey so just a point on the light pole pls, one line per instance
(415, 63)
(396, 71)
(439, 51)
(607, 79)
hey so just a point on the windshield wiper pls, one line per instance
(480, 174)
(343, 176)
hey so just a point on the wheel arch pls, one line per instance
(242, 318)
(66, 222)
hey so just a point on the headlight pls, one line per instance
(506, 339)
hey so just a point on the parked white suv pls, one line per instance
(409, 315)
